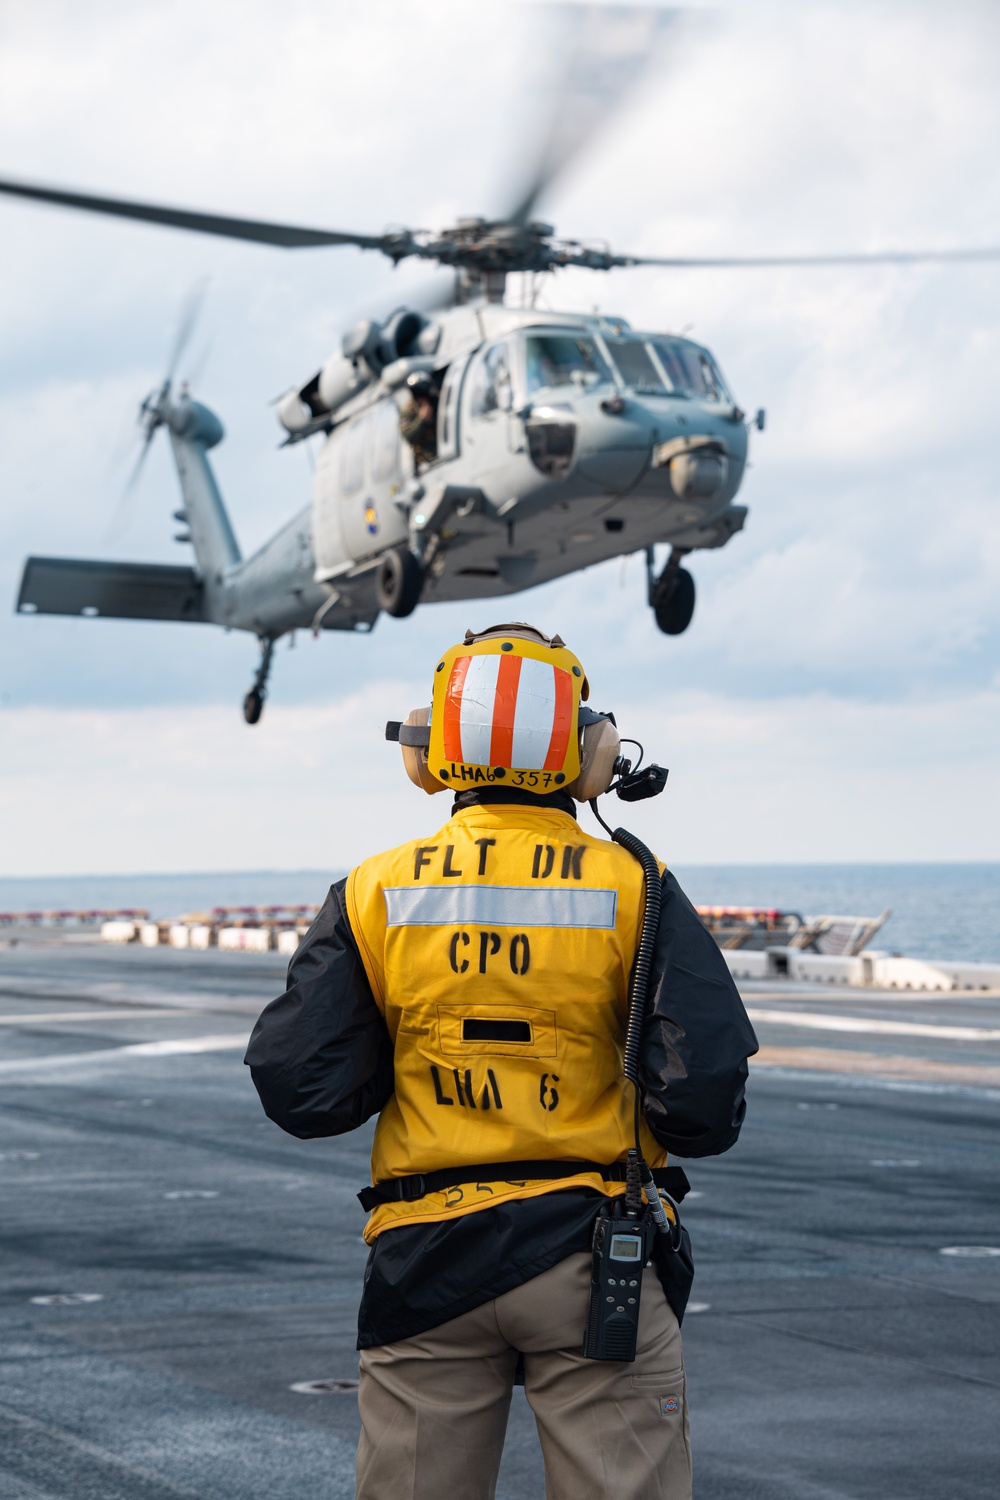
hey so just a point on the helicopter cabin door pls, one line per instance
(370, 482)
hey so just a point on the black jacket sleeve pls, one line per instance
(696, 1037)
(320, 1055)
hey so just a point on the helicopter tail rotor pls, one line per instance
(155, 408)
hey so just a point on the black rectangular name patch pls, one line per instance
(475, 1029)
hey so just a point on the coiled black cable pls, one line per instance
(639, 985)
(637, 994)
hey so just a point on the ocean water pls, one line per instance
(939, 911)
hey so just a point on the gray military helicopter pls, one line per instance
(469, 450)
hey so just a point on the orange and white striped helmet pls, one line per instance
(505, 710)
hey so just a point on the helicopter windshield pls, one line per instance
(691, 371)
(561, 359)
(635, 366)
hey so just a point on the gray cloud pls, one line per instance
(867, 579)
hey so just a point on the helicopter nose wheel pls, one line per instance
(400, 582)
(672, 595)
(253, 703)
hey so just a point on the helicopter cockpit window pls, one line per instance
(352, 464)
(690, 370)
(635, 366)
(491, 388)
(564, 359)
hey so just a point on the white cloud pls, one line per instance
(864, 595)
(806, 779)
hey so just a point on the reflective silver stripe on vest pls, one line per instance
(499, 905)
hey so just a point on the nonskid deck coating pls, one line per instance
(840, 1353)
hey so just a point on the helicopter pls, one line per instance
(540, 443)
(470, 448)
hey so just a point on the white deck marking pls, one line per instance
(64, 1299)
(88, 1015)
(176, 1048)
(862, 1024)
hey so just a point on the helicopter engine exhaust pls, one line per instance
(365, 352)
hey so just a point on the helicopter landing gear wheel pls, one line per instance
(253, 703)
(253, 706)
(674, 613)
(400, 582)
(672, 594)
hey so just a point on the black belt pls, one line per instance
(407, 1189)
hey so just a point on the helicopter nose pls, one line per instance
(614, 441)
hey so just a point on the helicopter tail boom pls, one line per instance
(193, 430)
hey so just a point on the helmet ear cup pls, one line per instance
(598, 753)
(415, 761)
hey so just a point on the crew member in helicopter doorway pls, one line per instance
(537, 1016)
(418, 416)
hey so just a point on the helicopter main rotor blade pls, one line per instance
(606, 47)
(262, 232)
(850, 258)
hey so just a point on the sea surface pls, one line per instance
(938, 911)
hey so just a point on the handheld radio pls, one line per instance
(621, 1249)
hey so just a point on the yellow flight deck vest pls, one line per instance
(499, 951)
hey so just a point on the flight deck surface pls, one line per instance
(832, 1349)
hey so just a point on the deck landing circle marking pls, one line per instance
(66, 1299)
(325, 1387)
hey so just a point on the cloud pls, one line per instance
(864, 593)
(317, 787)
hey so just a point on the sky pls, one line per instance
(837, 696)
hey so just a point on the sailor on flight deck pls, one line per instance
(472, 990)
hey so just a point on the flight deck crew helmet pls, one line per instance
(507, 711)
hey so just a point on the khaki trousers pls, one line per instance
(434, 1407)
